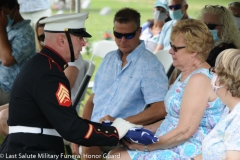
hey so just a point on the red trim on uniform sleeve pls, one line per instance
(89, 132)
(49, 61)
(107, 135)
(63, 96)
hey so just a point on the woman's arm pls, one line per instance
(195, 98)
(199, 157)
(233, 155)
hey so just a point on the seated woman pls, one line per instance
(223, 142)
(224, 31)
(193, 108)
(152, 32)
(221, 24)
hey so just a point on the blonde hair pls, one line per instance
(227, 68)
(196, 36)
(230, 32)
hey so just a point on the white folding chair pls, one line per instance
(166, 59)
(100, 49)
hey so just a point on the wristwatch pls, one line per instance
(146, 149)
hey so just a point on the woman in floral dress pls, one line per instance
(192, 106)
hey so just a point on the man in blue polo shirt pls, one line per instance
(127, 80)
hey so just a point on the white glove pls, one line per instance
(123, 126)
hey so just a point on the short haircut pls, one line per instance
(230, 32)
(126, 15)
(9, 3)
(227, 68)
(196, 36)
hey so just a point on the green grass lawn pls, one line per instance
(97, 24)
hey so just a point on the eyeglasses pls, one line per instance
(175, 49)
(41, 37)
(126, 35)
(212, 26)
(215, 6)
(175, 7)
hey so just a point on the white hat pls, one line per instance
(73, 23)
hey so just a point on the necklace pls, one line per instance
(184, 73)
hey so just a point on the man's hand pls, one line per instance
(123, 126)
(75, 149)
(3, 20)
(106, 118)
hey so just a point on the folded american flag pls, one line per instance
(138, 135)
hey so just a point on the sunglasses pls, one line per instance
(212, 26)
(126, 35)
(41, 37)
(175, 49)
(175, 7)
(215, 6)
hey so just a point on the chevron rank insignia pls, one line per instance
(62, 95)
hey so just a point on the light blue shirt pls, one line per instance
(33, 5)
(21, 38)
(123, 92)
(165, 34)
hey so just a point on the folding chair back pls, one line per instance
(166, 59)
(89, 68)
(101, 48)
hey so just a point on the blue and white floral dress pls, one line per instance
(224, 137)
(192, 146)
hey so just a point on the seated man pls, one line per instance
(127, 80)
(17, 45)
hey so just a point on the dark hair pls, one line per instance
(9, 3)
(126, 15)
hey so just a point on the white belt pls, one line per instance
(36, 130)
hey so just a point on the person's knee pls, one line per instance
(3, 122)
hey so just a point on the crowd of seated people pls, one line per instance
(151, 30)
(203, 50)
(190, 102)
(220, 22)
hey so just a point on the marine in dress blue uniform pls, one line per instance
(40, 109)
